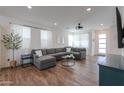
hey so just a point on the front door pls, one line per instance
(102, 44)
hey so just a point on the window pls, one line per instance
(44, 35)
(46, 39)
(102, 43)
(0, 48)
(70, 39)
(102, 40)
(25, 33)
(102, 46)
(78, 40)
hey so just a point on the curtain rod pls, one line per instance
(28, 26)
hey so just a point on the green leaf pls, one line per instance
(12, 41)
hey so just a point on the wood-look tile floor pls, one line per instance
(83, 73)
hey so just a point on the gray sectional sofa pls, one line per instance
(51, 56)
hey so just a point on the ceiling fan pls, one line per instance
(78, 27)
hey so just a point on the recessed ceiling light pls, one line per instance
(101, 24)
(29, 7)
(55, 24)
(88, 9)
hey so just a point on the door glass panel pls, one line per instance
(102, 51)
(102, 40)
(102, 45)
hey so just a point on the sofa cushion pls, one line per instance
(78, 49)
(44, 51)
(76, 53)
(39, 53)
(33, 51)
(68, 49)
(59, 54)
(46, 57)
(82, 49)
(74, 49)
(60, 50)
(50, 51)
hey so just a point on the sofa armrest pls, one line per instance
(34, 58)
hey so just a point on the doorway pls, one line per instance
(102, 44)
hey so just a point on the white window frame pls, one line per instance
(76, 39)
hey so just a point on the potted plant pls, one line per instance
(12, 41)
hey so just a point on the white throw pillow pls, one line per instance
(39, 53)
(68, 49)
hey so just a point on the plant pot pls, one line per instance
(13, 63)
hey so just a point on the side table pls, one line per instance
(68, 60)
(26, 59)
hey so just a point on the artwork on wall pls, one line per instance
(60, 40)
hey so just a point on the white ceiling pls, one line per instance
(64, 16)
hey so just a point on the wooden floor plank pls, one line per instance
(83, 73)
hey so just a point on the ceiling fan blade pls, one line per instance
(79, 26)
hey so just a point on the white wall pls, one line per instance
(0, 49)
(3, 52)
(61, 34)
(90, 44)
(121, 8)
(93, 43)
(112, 43)
(35, 40)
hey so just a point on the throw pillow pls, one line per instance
(68, 49)
(39, 53)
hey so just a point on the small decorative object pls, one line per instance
(68, 49)
(69, 60)
(69, 56)
(12, 41)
